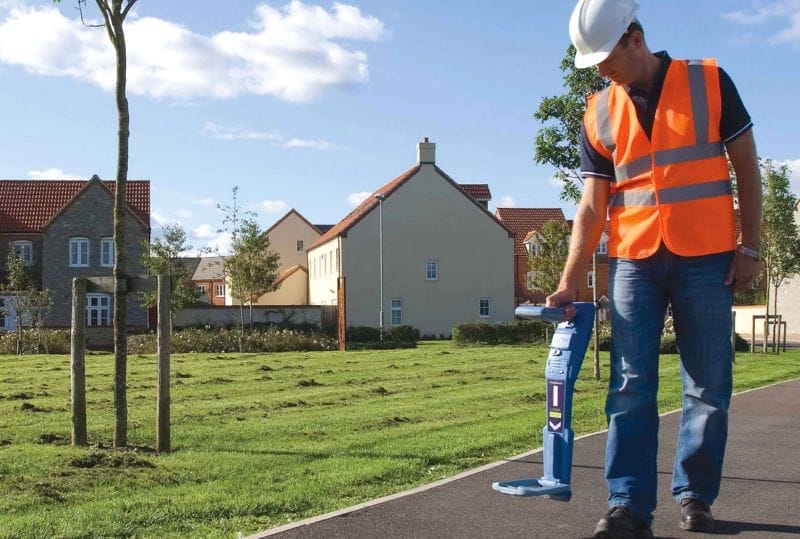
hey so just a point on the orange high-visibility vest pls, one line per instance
(673, 187)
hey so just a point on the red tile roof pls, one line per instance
(29, 205)
(523, 220)
(478, 191)
(371, 202)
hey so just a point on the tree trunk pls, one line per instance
(766, 310)
(241, 327)
(120, 300)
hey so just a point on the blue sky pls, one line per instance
(312, 105)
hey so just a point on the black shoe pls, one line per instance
(696, 516)
(621, 523)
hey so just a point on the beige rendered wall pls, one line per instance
(292, 291)
(428, 219)
(789, 300)
(283, 239)
(323, 270)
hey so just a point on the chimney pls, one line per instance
(426, 152)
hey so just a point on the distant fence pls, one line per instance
(321, 316)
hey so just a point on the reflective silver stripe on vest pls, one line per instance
(697, 88)
(695, 191)
(632, 198)
(689, 153)
(604, 121)
(632, 169)
(671, 195)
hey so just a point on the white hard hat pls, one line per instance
(596, 26)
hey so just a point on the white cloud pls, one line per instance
(54, 174)
(507, 202)
(183, 213)
(294, 53)
(794, 173)
(160, 218)
(203, 232)
(222, 132)
(357, 198)
(221, 244)
(206, 201)
(272, 206)
(781, 11)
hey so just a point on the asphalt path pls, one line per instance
(760, 495)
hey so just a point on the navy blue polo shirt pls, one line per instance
(734, 121)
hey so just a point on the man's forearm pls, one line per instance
(743, 156)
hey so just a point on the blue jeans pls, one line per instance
(701, 307)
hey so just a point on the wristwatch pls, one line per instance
(752, 253)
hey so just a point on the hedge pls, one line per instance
(516, 332)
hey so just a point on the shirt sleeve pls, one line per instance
(592, 162)
(735, 120)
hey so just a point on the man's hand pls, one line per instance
(742, 271)
(563, 298)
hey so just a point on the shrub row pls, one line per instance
(221, 340)
(51, 341)
(669, 345)
(516, 332)
(369, 338)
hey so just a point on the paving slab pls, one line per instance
(760, 495)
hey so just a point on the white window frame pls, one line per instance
(431, 265)
(201, 288)
(602, 247)
(396, 307)
(299, 246)
(488, 309)
(590, 279)
(531, 281)
(24, 250)
(76, 262)
(219, 290)
(103, 311)
(106, 252)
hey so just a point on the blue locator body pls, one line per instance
(567, 349)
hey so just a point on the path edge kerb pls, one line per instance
(446, 480)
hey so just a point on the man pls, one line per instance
(653, 158)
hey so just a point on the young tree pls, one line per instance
(780, 238)
(114, 13)
(558, 142)
(37, 304)
(162, 257)
(547, 261)
(19, 282)
(252, 269)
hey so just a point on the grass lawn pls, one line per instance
(261, 440)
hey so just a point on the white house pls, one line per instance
(445, 258)
(789, 299)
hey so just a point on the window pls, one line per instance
(431, 270)
(532, 278)
(220, 290)
(330, 261)
(299, 246)
(98, 310)
(324, 263)
(79, 253)
(590, 279)
(602, 247)
(24, 251)
(202, 288)
(336, 261)
(535, 248)
(107, 252)
(484, 307)
(397, 312)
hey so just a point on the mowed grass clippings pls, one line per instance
(261, 440)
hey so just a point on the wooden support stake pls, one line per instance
(77, 362)
(341, 323)
(163, 399)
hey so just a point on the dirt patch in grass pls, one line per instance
(398, 420)
(49, 492)
(535, 398)
(381, 391)
(32, 408)
(22, 395)
(265, 368)
(123, 459)
(5, 442)
(182, 375)
(308, 383)
(217, 380)
(52, 438)
(291, 404)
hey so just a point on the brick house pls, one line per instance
(526, 224)
(63, 229)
